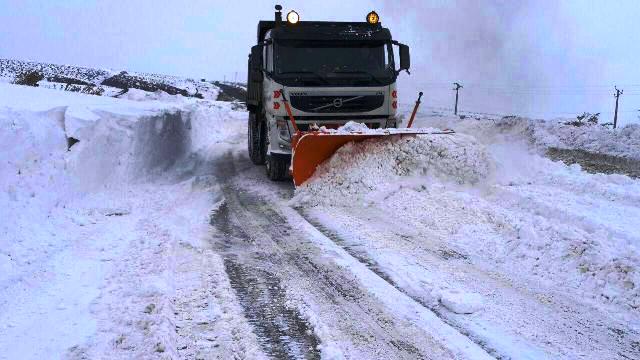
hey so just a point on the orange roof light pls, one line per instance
(373, 18)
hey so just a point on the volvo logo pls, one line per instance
(337, 103)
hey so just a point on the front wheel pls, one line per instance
(255, 140)
(277, 167)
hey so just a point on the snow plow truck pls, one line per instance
(308, 78)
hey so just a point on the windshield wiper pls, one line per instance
(360, 72)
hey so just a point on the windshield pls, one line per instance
(329, 62)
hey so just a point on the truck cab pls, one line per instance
(330, 73)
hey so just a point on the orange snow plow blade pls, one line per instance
(310, 149)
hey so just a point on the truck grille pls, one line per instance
(337, 104)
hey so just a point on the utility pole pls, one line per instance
(615, 116)
(457, 88)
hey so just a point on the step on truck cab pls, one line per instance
(330, 73)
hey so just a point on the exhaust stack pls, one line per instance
(278, 15)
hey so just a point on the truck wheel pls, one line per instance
(277, 167)
(255, 140)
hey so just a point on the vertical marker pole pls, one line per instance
(415, 109)
(286, 106)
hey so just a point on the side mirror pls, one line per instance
(256, 63)
(405, 58)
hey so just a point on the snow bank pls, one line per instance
(119, 142)
(72, 210)
(623, 142)
(358, 169)
(141, 95)
(41, 99)
(39, 174)
(32, 147)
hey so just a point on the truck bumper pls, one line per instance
(283, 129)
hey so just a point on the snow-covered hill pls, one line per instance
(114, 83)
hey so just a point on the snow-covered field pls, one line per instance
(137, 228)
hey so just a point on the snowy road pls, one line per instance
(435, 248)
(291, 279)
(361, 273)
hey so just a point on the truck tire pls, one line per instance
(255, 140)
(277, 167)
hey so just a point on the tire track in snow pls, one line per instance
(347, 314)
(281, 330)
(373, 266)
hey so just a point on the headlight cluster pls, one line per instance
(283, 129)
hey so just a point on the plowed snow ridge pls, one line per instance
(357, 169)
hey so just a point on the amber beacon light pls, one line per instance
(373, 18)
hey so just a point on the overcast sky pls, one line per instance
(541, 58)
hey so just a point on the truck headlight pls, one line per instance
(293, 17)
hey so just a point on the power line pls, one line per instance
(535, 92)
(543, 87)
(595, 89)
(589, 93)
(445, 108)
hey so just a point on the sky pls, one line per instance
(544, 58)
